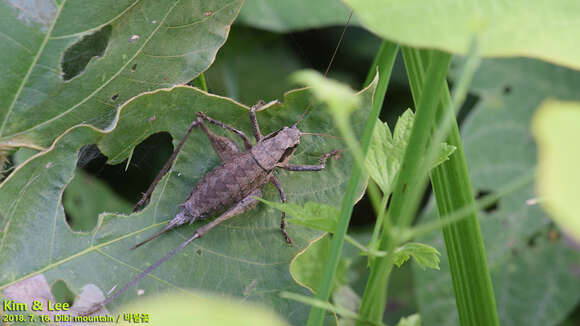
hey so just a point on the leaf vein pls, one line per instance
(30, 69)
(96, 91)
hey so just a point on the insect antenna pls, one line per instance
(329, 64)
(321, 135)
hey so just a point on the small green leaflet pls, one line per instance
(385, 155)
(413, 320)
(425, 255)
(313, 215)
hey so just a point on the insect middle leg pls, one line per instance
(278, 186)
(255, 126)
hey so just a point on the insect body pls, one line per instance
(232, 187)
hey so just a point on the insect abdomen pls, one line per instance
(226, 185)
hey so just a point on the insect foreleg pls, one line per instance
(318, 167)
(278, 186)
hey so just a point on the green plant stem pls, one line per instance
(463, 212)
(343, 312)
(408, 189)
(200, 83)
(463, 240)
(384, 62)
(364, 250)
(381, 223)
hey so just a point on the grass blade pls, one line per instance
(385, 60)
(409, 187)
(463, 240)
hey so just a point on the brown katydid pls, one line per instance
(231, 188)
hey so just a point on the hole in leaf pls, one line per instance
(86, 197)
(61, 293)
(130, 182)
(114, 97)
(134, 67)
(363, 214)
(506, 90)
(198, 252)
(492, 207)
(77, 56)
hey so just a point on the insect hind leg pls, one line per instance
(226, 126)
(242, 206)
(167, 166)
(224, 147)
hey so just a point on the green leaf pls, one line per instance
(499, 149)
(285, 16)
(530, 28)
(245, 257)
(445, 150)
(425, 255)
(239, 69)
(324, 305)
(313, 215)
(413, 320)
(201, 309)
(385, 155)
(306, 268)
(555, 127)
(85, 197)
(151, 45)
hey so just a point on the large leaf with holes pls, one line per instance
(108, 52)
(285, 16)
(534, 270)
(245, 257)
(535, 28)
